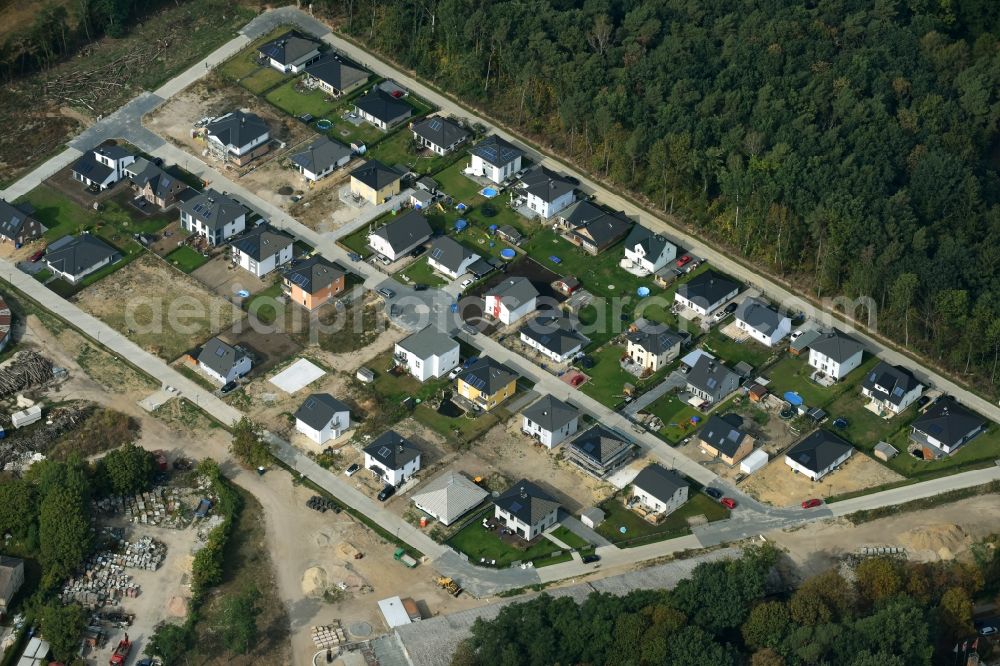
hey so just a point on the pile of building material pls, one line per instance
(18, 448)
(162, 507)
(105, 581)
(329, 635)
(28, 369)
(146, 553)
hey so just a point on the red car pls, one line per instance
(36, 256)
(683, 260)
(728, 502)
(811, 503)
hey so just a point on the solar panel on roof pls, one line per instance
(435, 124)
(437, 252)
(478, 383)
(220, 351)
(310, 403)
(515, 506)
(898, 392)
(711, 383)
(384, 452)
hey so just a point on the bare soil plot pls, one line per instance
(268, 347)
(777, 484)
(160, 309)
(227, 279)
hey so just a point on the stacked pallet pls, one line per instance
(329, 635)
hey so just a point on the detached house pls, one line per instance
(153, 183)
(448, 497)
(891, 389)
(439, 135)
(392, 458)
(17, 226)
(334, 75)
(223, 362)
(760, 322)
(835, 354)
(495, 159)
(382, 109)
(313, 282)
(427, 353)
(511, 300)
(322, 418)
(546, 192)
(262, 249)
(599, 451)
(486, 383)
(400, 236)
(592, 227)
(721, 437)
(652, 345)
(554, 336)
(818, 454)
(237, 137)
(711, 380)
(213, 215)
(660, 490)
(321, 158)
(80, 257)
(944, 427)
(706, 292)
(526, 509)
(290, 52)
(647, 252)
(102, 167)
(450, 257)
(374, 182)
(550, 421)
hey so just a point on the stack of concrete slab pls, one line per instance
(328, 635)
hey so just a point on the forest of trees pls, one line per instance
(857, 140)
(892, 613)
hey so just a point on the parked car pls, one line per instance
(728, 502)
(922, 400)
(466, 282)
(683, 261)
(354, 256)
(720, 315)
(987, 631)
(386, 492)
(811, 503)
(385, 292)
(228, 387)
(731, 308)
(795, 336)
(455, 372)
(36, 256)
(714, 493)
(471, 330)
(420, 287)
(385, 261)
(352, 470)
(417, 251)
(590, 559)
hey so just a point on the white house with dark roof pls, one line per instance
(439, 135)
(891, 389)
(237, 137)
(392, 458)
(647, 252)
(427, 353)
(835, 354)
(495, 159)
(213, 215)
(546, 192)
(553, 336)
(17, 226)
(449, 257)
(321, 158)
(321, 417)
(761, 322)
(593, 227)
(818, 454)
(652, 345)
(262, 249)
(706, 292)
(81, 256)
(290, 52)
(550, 421)
(335, 75)
(448, 496)
(511, 300)
(102, 167)
(526, 509)
(711, 380)
(382, 109)
(660, 490)
(945, 427)
(223, 362)
(599, 451)
(401, 235)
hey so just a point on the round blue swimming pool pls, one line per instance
(489, 192)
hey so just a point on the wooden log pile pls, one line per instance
(28, 369)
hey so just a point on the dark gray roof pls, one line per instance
(448, 252)
(405, 231)
(550, 413)
(289, 47)
(375, 175)
(948, 421)
(555, 333)
(654, 337)
(14, 223)
(79, 254)
(759, 316)
(659, 482)
(652, 243)
(262, 241)
(890, 382)
(836, 346)
(392, 450)
(428, 342)
(510, 233)
(600, 444)
(237, 129)
(708, 288)
(383, 106)
(708, 374)
(88, 166)
(440, 131)
(334, 71)
(220, 356)
(320, 155)
(527, 502)
(142, 172)
(318, 409)
(496, 151)
(546, 184)
(487, 376)
(722, 436)
(819, 450)
(114, 152)
(514, 292)
(213, 208)
(314, 274)
(600, 225)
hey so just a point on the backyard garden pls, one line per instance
(627, 529)
(481, 544)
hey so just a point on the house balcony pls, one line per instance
(823, 379)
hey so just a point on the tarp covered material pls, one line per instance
(754, 461)
(394, 613)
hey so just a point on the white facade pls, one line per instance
(650, 264)
(540, 348)
(262, 268)
(463, 268)
(484, 169)
(309, 175)
(499, 310)
(296, 67)
(549, 438)
(523, 529)
(117, 167)
(659, 506)
(241, 368)
(886, 406)
(777, 335)
(72, 278)
(337, 426)
(381, 246)
(832, 368)
(431, 366)
(393, 476)
(240, 151)
(549, 208)
(214, 236)
(704, 312)
(816, 476)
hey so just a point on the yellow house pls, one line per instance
(374, 182)
(487, 383)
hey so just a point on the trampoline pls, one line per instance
(793, 398)
(461, 224)
(489, 192)
(323, 124)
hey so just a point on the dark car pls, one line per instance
(731, 308)
(922, 400)
(587, 362)
(420, 287)
(713, 493)
(386, 493)
(354, 256)
(228, 387)
(590, 559)
(417, 251)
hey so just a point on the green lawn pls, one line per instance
(347, 132)
(607, 378)
(357, 241)
(244, 63)
(263, 305)
(396, 388)
(262, 80)
(63, 216)
(639, 532)
(477, 542)
(980, 452)
(676, 417)
(295, 103)
(792, 374)
(569, 538)
(460, 430)
(461, 188)
(186, 258)
(420, 272)
(733, 352)
(399, 148)
(43, 275)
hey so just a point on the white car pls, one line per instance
(987, 631)
(795, 336)
(466, 282)
(720, 315)
(455, 372)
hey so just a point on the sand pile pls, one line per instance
(346, 550)
(945, 539)
(315, 582)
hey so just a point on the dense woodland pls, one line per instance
(848, 146)
(890, 614)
